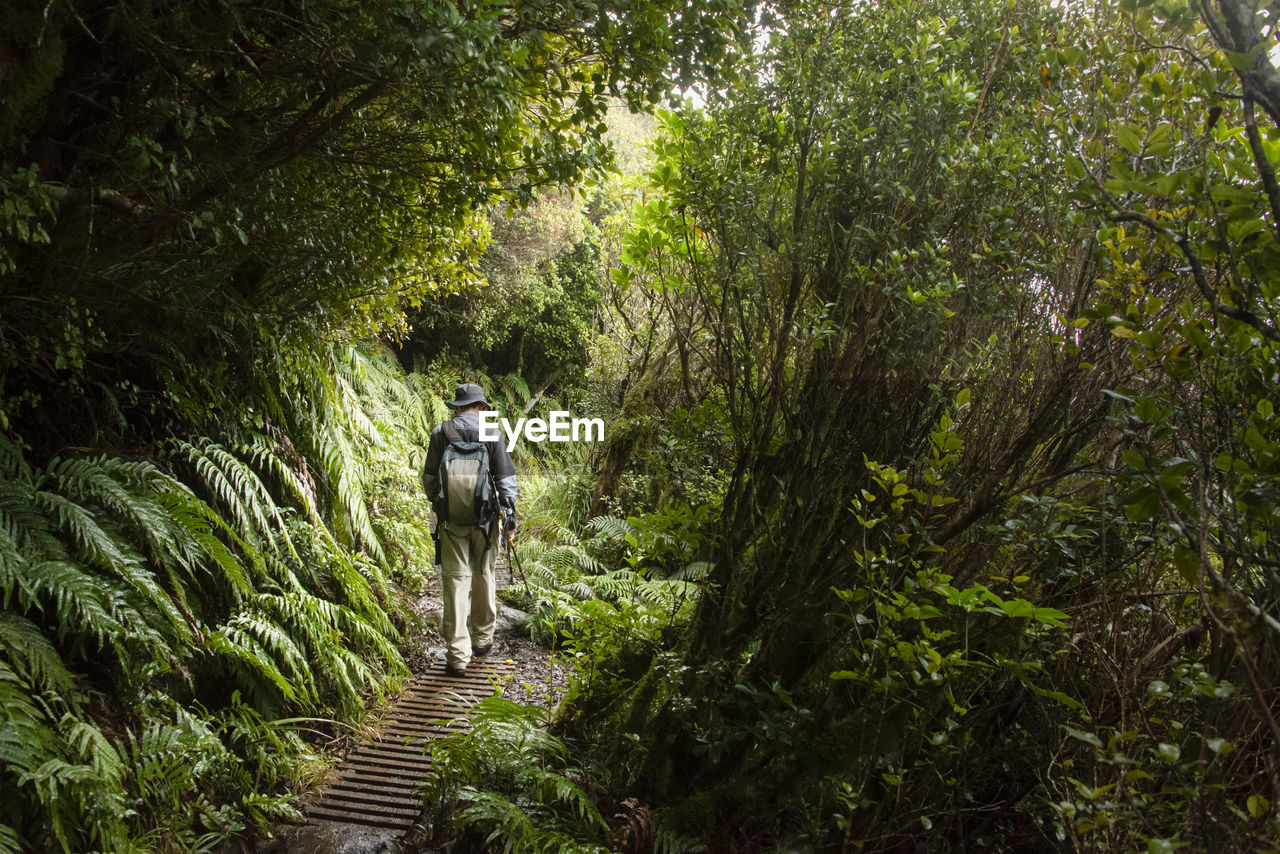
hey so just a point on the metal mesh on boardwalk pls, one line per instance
(375, 782)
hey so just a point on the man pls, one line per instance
(467, 551)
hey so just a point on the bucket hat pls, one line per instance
(467, 394)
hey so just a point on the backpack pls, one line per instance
(466, 490)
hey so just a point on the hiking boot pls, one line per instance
(455, 669)
(482, 651)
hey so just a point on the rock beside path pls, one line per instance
(511, 620)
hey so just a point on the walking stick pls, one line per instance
(513, 559)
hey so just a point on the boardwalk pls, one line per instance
(373, 786)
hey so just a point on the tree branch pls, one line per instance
(1265, 169)
(1207, 290)
(1237, 31)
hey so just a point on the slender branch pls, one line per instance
(1207, 290)
(1265, 169)
(105, 196)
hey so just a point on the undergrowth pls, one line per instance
(507, 783)
(176, 620)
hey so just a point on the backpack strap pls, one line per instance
(451, 433)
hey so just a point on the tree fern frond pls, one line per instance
(516, 390)
(365, 604)
(573, 559)
(83, 603)
(107, 481)
(343, 468)
(26, 526)
(666, 593)
(263, 454)
(277, 641)
(89, 745)
(354, 674)
(10, 842)
(620, 584)
(125, 489)
(95, 545)
(198, 522)
(315, 621)
(580, 590)
(244, 649)
(27, 739)
(695, 571)
(283, 572)
(33, 656)
(13, 573)
(611, 528)
(241, 491)
(371, 637)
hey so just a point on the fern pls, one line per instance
(611, 528)
(509, 779)
(253, 512)
(106, 548)
(340, 461)
(200, 549)
(32, 656)
(10, 842)
(263, 453)
(13, 464)
(83, 603)
(249, 563)
(253, 659)
(620, 584)
(516, 390)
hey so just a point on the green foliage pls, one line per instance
(272, 176)
(534, 313)
(933, 551)
(164, 595)
(508, 782)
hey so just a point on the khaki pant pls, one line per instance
(470, 597)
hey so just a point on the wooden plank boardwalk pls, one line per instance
(374, 784)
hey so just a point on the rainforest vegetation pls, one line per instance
(937, 342)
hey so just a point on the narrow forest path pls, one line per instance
(368, 804)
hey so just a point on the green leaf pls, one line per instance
(1142, 503)
(1159, 140)
(1232, 463)
(1051, 617)
(1133, 458)
(1257, 805)
(1240, 61)
(1018, 608)
(1187, 563)
(1130, 140)
(1086, 737)
(1168, 752)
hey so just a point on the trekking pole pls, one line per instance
(511, 553)
(513, 559)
